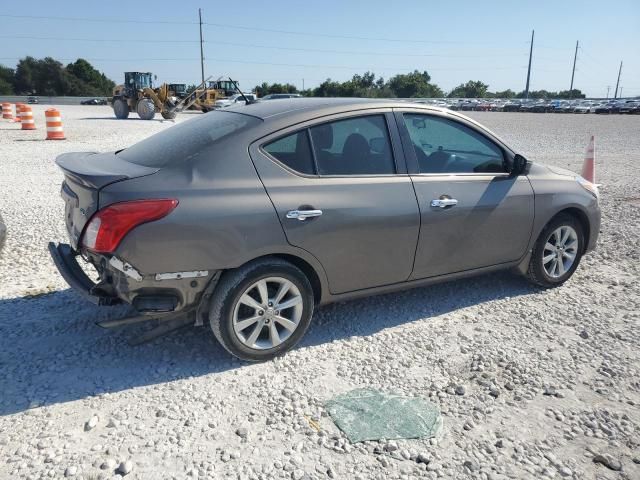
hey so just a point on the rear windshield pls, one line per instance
(186, 139)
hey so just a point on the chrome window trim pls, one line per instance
(308, 124)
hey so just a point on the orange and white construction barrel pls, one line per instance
(26, 118)
(54, 125)
(17, 119)
(6, 111)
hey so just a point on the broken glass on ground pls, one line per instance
(366, 414)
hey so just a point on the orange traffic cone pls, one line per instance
(6, 111)
(26, 118)
(54, 125)
(589, 165)
(17, 119)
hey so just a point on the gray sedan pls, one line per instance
(249, 218)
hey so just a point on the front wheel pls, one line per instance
(146, 109)
(261, 310)
(557, 252)
(120, 108)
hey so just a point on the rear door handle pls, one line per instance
(303, 214)
(444, 202)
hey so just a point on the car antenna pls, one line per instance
(247, 101)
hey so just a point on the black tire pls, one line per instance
(536, 272)
(233, 284)
(120, 108)
(168, 115)
(146, 109)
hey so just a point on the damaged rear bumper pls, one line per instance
(119, 281)
(64, 258)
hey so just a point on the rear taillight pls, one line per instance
(108, 226)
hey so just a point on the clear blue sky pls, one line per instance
(453, 41)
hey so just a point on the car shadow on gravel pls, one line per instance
(369, 315)
(52, 352)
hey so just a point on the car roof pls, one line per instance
(320, 105)
(290, 111)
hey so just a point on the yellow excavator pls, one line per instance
(138, 95)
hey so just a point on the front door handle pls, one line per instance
(444, 202)
(303, 214)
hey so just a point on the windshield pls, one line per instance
(187, 139)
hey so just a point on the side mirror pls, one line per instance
(518, 165)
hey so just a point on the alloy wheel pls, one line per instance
(560, 251)
(267, 313)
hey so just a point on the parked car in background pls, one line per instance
(233, 99)
(32, 100)
(94, 101)
(511, 106)
(278, 96)
(604, 108)
(628, 106)
(583, 107)
(268, 210)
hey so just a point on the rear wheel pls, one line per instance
(261, 310)
(120, 108)
(557, 252)
(146, 109)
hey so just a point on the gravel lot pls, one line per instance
(531, 384)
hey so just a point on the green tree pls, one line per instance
(6, 80)
(266, 88)
(95, 81)
(414, 85)
(575, 93)
(503, 94)
(471, 89)
(48, 77)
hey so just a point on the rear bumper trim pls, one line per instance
(64, 257)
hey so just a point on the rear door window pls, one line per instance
(446, 146)
(293, 151)
(354, 146)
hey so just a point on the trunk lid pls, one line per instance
(85, 174)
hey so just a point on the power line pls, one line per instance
(105, 40)
(268, 47)
(98, 19)
(349, 37)
(244, 27)
(248, 62)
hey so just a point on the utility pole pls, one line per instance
(201, 47)
(303, 84)
(573, 72)
(608, 88)
(615, 95)
(526, 90)
(620, 92)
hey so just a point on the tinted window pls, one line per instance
(356, 146)
(186, 139)
(445, 146)
(293, 151)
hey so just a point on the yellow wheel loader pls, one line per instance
(216, 90)
(138, 95)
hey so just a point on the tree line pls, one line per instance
(411, 85)
(51, 78)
